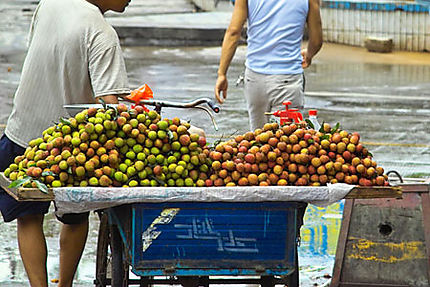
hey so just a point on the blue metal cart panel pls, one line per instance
(213, 238)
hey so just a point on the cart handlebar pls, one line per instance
(183, 105)
(196, 104)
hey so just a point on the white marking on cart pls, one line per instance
(203, 230)
(151, 233)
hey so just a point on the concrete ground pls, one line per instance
(172, 23)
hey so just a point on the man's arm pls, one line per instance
(229, 45)
(111, 99)
(315, 33)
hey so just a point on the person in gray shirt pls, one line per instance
(74, 56)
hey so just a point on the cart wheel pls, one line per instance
(267, 281)
(144, 281)
(189, 281)
(119, 265)
(102, 250)
(204, 281)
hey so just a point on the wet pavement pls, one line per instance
(384, 97)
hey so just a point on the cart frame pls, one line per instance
(115, 232)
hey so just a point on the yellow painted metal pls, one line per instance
(386, 252)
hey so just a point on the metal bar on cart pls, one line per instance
(219, 281)
(358, 192)
(362, 192)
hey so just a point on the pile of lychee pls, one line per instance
(294, 155)
(124, 147)
(114, 147)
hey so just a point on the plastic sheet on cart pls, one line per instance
(82, 199)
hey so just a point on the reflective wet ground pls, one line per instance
(385, 98)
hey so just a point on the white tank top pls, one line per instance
(275, 32)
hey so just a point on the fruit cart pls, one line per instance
(195, 242)
(185, 232)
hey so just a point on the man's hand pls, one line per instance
(306, 60)
(221, 88)
(196, 130)
(315, 33)
(229, 45)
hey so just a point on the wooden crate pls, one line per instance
(25, 194)
(386, 235)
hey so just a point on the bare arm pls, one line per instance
(229, 45)
(315, 33)
(111, 99)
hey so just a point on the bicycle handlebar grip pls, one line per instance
(213, 106)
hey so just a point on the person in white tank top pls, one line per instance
(275, 60)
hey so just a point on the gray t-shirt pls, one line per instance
(74, 56)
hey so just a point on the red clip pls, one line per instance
(140, 94)
(289, 115)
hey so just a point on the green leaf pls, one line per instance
(41, 186)
(19, 182)
(369, 153)
(335, 129)
(322, 127)
(310, 124)
(103, 103)
(218, 141)
(170, 134)
(46, 173)
(65, 121)
(325, 137)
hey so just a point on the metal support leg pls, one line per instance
(102, 251)
(119, 267)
